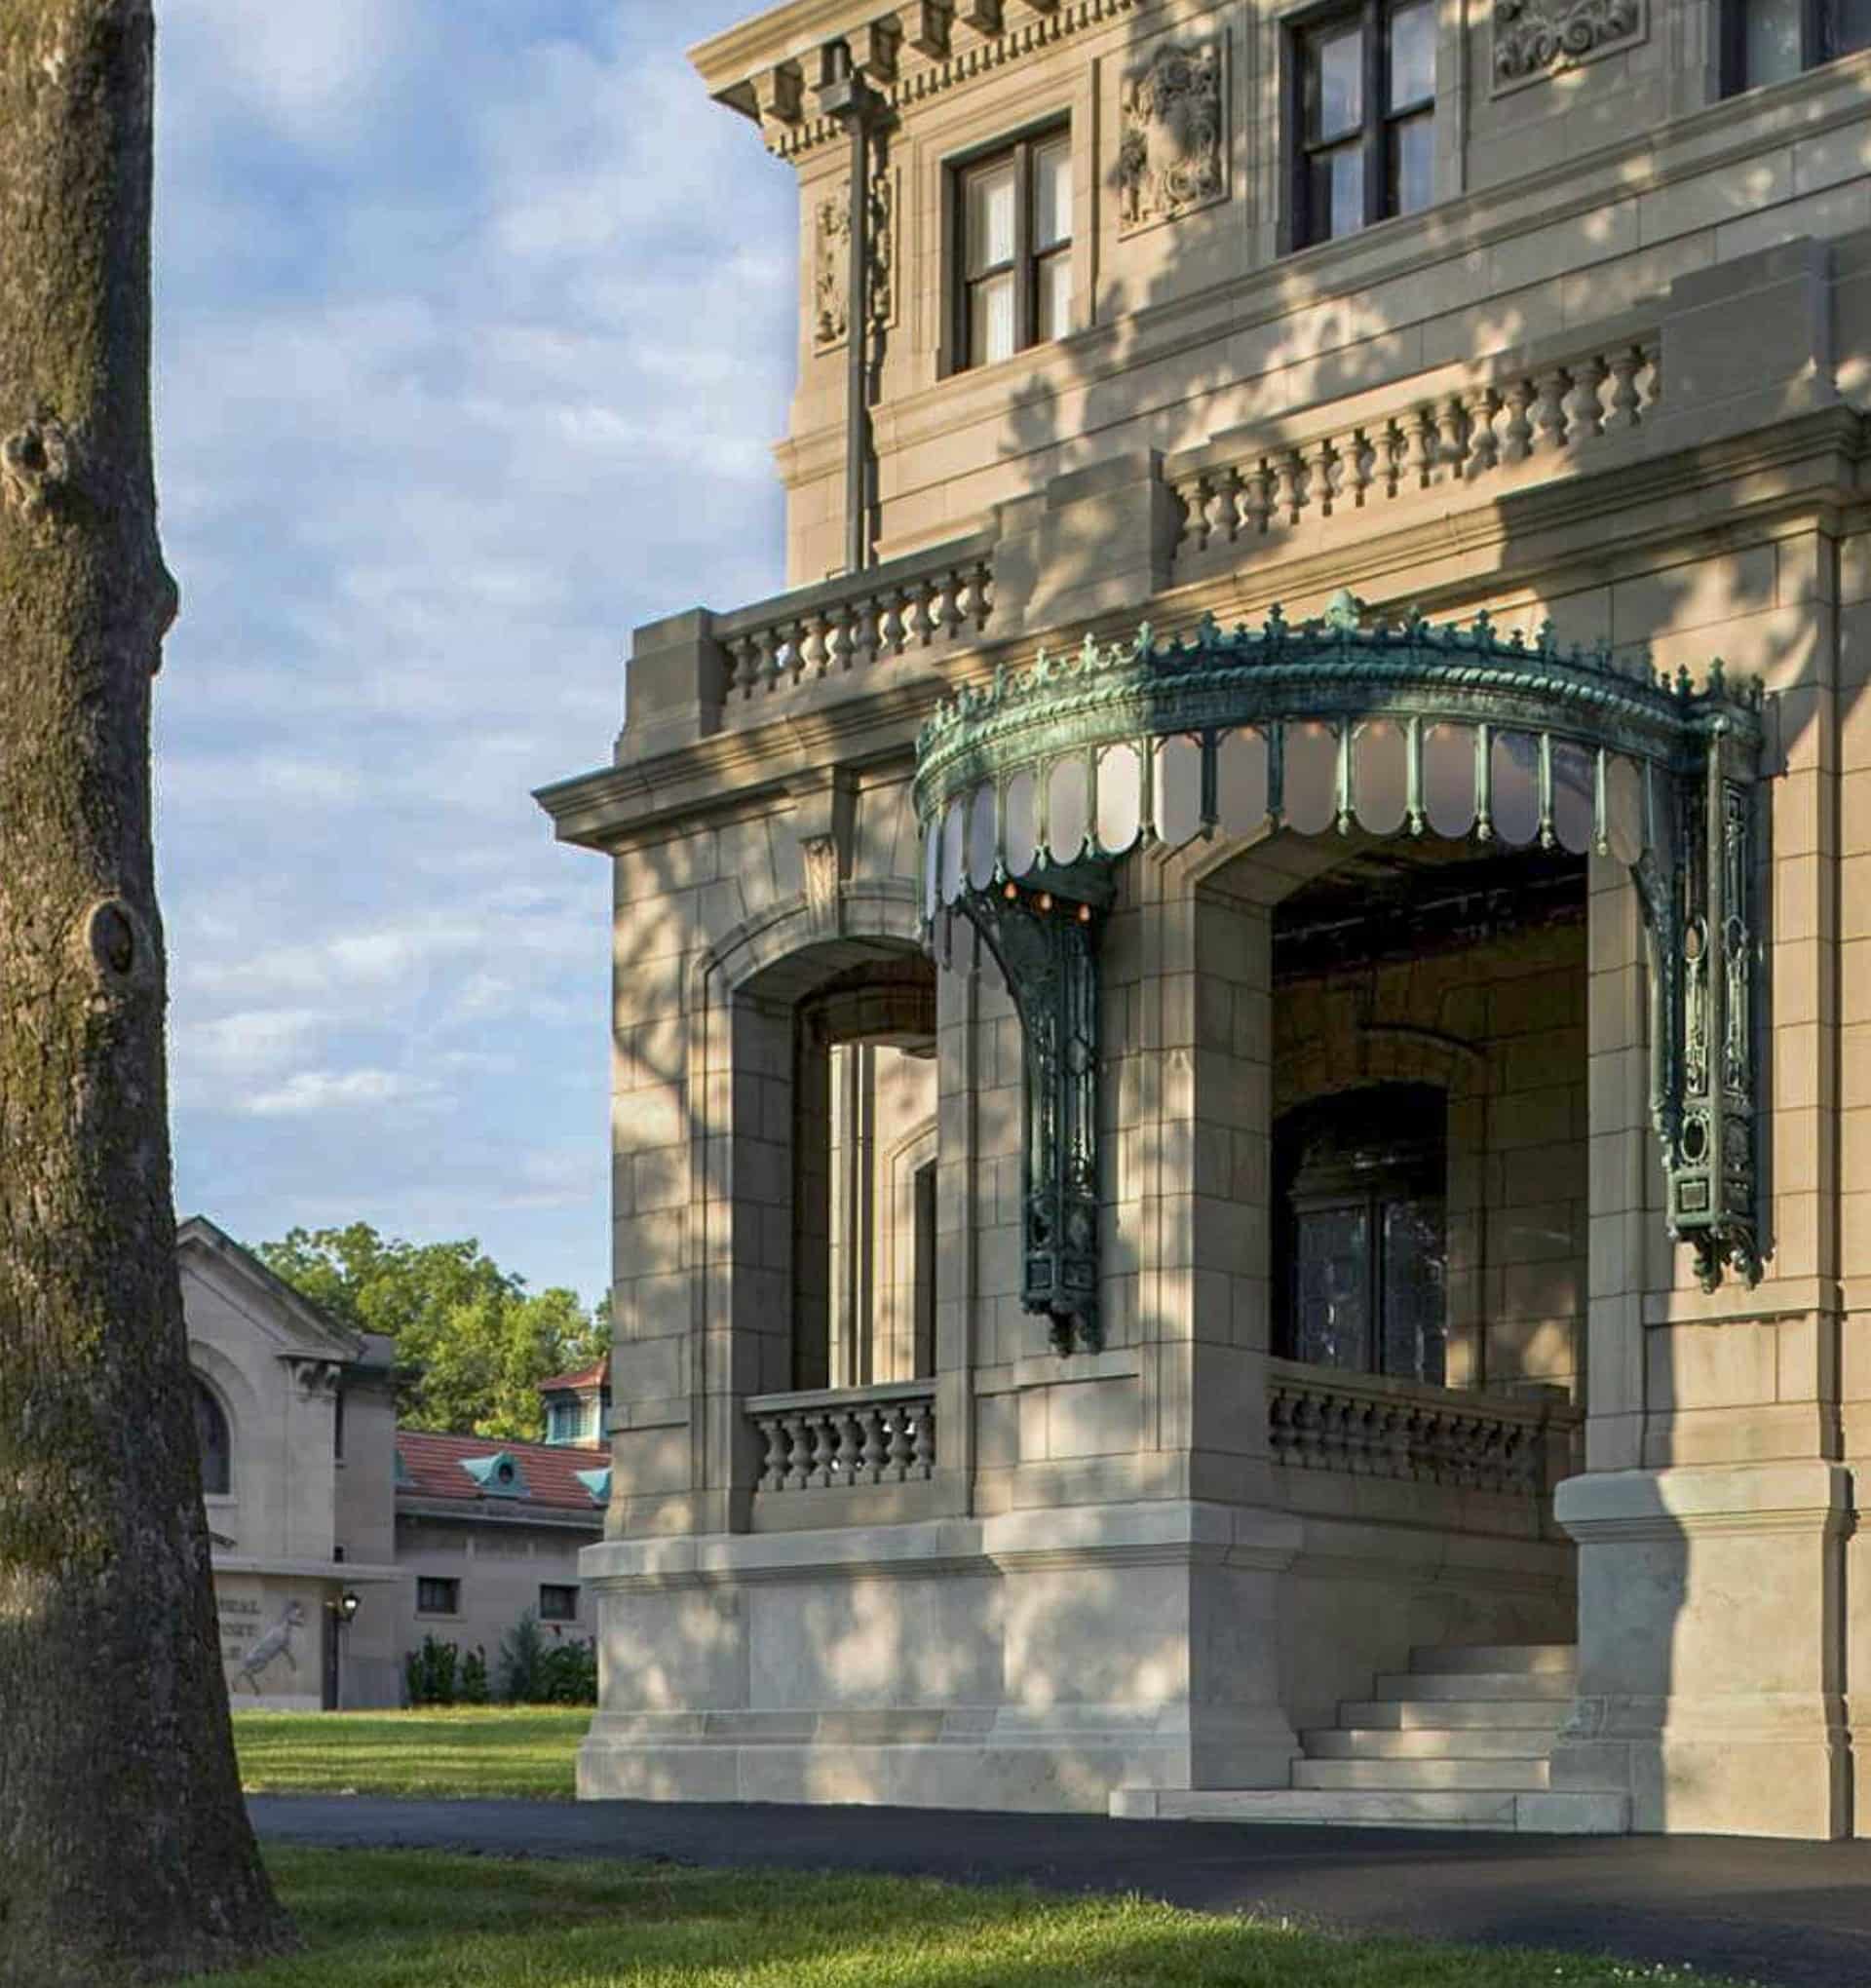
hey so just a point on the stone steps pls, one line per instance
(1422, 1743)
(1534, 1715)
(1460, 1741)
(1470, 1684)
(1523, 1774)
(1495, 1657)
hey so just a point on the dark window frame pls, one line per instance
(214, 1438)
(426, 1583)
(559, 1587)
(1817, 45)
(1377, 131)
(1407, 1167)
(1025, 263)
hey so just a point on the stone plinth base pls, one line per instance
(1710, 1648)
(1038, 1661)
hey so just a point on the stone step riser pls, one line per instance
(1496, 1656)
(1473, 1685)
(1428, 1743)
(1521, 1776)
(1531, 1715)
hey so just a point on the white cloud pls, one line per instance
(475, 326)
(318, 1090)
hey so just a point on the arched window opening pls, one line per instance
(214, 1441)
(1361, 1181)
(863, 1230)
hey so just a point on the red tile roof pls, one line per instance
(432, 1468)
(596, 1375)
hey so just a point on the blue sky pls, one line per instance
(473, 325)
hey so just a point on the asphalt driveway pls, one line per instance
(1795, 1915)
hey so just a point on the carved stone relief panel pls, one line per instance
(1172, 153)
(1534, 39)
(832, 259)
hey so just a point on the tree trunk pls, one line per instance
(125, 1849)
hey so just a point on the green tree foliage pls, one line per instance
(477, 1343)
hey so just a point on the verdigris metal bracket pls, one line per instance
(1031, 788)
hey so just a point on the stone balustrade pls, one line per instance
(1319, 1419)
(1275, 478)
(833, 1437)
(923, 600)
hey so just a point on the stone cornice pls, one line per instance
(1796, 464)
(790, 39)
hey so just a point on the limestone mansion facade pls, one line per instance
(1242, 1023)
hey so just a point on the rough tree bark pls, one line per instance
(125, 1851)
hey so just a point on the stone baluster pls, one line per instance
(1549, 412)
(951, 598)
(864, 630)
(838, 640)
(1585, 404)
(818, 1471)
(1320, 458)
(1484, 445)
(874, 1448)
(981, 594)
(1452, 432)
(1517, 443)
(773, 1472)
(1279, 1424)
(1624, 367)
(889, 622)
(1651, 372)
(814, 657)
(918, 624)
(1290, 469)
(798, 1452)
(1361, 464)
(923, 1463)
(1193, 494)
(1422, 459)
(850, 1452)
(897, 1469)
(1257, 504)
(1392, 450)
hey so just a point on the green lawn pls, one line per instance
(465, 1751)
(405, 1919)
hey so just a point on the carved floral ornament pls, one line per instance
(1534, 38)
(1032, 789)
(1170, 158)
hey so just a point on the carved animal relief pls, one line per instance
(1532, 38)
(1169, 158)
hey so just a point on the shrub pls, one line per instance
(522, 1654)
(537, 1672)
(474, 1677)
(429, 1673)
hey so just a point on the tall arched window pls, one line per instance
(1360, 1181)
(215, 1443)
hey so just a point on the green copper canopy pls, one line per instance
(1031, 789)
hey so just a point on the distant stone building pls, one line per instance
(318, 1502)
(1241, 1028)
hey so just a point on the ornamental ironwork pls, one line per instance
(1032, 789)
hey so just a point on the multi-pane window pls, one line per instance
(557, 1603)
(1015, 216)
(1366, 117)
(1766, 41)
(1358, 1241)
(436, 1596)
